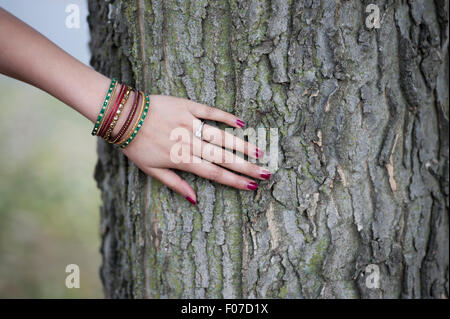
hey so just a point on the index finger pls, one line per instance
(205, 112)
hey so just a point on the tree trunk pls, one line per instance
(362, 179)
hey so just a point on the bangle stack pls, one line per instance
(113, 107)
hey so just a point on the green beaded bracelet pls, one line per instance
(139, 124)
(103, 109)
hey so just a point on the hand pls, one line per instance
(152, 147)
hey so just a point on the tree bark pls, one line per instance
(362, 176)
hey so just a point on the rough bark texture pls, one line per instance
(363, 162)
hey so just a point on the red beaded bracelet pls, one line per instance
(117, 114)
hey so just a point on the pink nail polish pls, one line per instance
(252, 186)
(265, 175)
(240, 123)
(259, 153)
(189, 199)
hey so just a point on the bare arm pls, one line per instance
(28, 56)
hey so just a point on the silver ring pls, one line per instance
(199, 131)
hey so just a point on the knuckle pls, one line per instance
(186, 123)
(215, 174)
(209, 111)
(182, 124)
(171, 184)
(229, 117)
(254, 168)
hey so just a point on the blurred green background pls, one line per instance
(49, 202)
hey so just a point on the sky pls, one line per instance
(49, 17)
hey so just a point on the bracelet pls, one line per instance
(108, 107)
(139, 123)
(112, 87)
(117, 114)
(111, 113)
(136, 123)
(130, 117)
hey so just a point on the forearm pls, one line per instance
(28, 56)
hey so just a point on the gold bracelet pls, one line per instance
(141, 111)
(117, 115)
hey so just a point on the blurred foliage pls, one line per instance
(49, 203)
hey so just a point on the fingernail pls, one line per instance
(240, 123)
(259, 153)
(189, 198)
(265, 174)
(252, 185)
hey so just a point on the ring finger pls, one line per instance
(218, 174)
(222, 157)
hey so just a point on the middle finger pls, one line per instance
(222, 138)
(227, 159)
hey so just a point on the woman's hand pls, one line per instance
(155, 150)
(30, 57)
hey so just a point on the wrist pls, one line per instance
(91, 105)
(121, 114)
